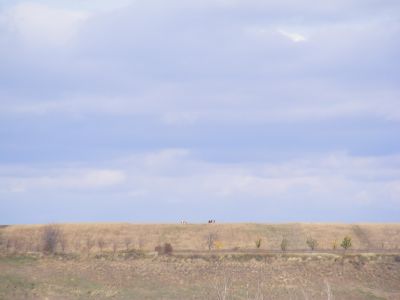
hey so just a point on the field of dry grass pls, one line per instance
(78, 237)
(126, 266)
(304, 276)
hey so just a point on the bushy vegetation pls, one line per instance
(258, 243)
(168, 248)
(90, 242)
(284, 244)
(164, 249)
(218, 245)
(51, 237)
(127, 242)
(312, 243)
(101, 243)
(346, 243)
(211, 239)
(334, 244)
(108, 239)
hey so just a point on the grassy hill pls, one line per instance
(78, 237)
(191, 271)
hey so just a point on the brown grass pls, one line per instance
(237, 271)
(305, 276)
(193, 236)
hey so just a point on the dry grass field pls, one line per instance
(194, 236)
(118, 261)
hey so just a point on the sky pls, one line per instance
(234, 110)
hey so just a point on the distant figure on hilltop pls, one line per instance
(211, 221)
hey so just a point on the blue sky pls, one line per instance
(157, 111)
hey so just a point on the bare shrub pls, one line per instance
(328, 290)
(127, 242)
(38, 246)
(221, 285)
(101, 243)
(50, 238)
(165, 249)
(63, 242)
(3, 242)
(77, 244)
(22, 240)
(30, 241)
(9, 244)
(312, 243)
(259, 293)
(211, 239)
(258, 243)
(19, 244)
(114, 244)
(334, 244)
(89, 244)
(284, 244)
(222, 288)
(159, 249)
(168, 248)
(141, 243)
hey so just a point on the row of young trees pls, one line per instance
(213, 242)
(311, 243)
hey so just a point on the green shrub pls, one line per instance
(346, 243)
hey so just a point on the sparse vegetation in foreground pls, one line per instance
(212, 276)
(124, 261)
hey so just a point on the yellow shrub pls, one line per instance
(218, 245)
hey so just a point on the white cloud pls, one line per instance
(40, 25)
(294, 37)
(303, 100)
(333, 179)
(256, 76)
(329, 182)
(174, 172)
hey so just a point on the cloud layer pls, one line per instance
(200, 105)
(175, 178)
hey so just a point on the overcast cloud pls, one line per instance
(227, 109)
